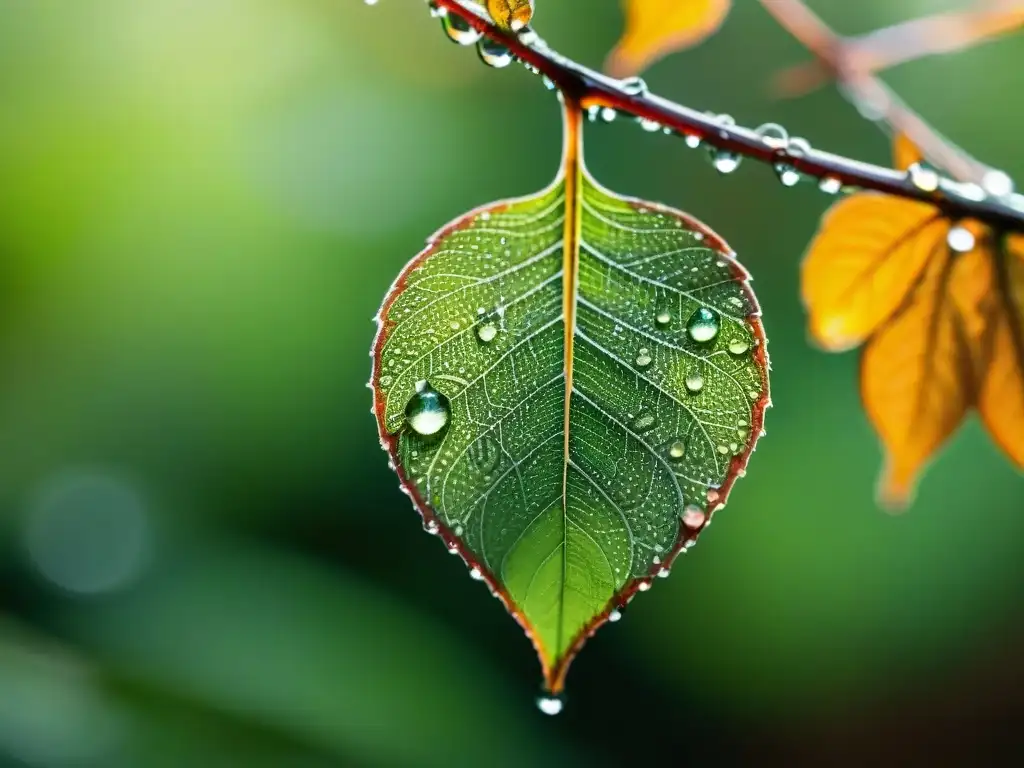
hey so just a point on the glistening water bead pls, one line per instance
(427, 411)
(960, 240)
(703, 325)
(550, 705)
(493, 53)
(459, 30)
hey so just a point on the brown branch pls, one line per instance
(853, 62)
(593, 89)
(908, 41)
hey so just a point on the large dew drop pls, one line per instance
(550, 705)
(694, 382)
(427, 411)
(459, 30)
(724, 161)
(703, 325)
(486, 331)
(493, 53)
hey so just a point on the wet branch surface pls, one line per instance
(592, 89)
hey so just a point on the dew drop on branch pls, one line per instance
(459, 30)
(923, 178)
(493, 53)
(724, 160)
(830, 185)
(788, 175)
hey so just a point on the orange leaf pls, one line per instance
(905, 152)
(511, 14)
(916, 379)
(1001, 402)
(866, 257)
(655, 28)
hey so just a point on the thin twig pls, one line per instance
(593, 89)
(873, 99)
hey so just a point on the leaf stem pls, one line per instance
(591, 88)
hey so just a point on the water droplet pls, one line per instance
(738, 346)
(431, 527)
(437, 11)
(923, 178)
(830, 185)
(774, 135)
(693, 516)
(385, 381)
(370, 2)
(677, 450)
(960, 239)
(453, 549)
(459, 30)
(634, 86)
(486, 332)
(608, 114)
(476, 574)
(428, 410)
(997, 183)
(663, 318)
(734, 447)
(723, 449)
(550, 705)
(615, 614)
(694, 382)
(663, 573)
(649, 125)
(724, 160)
(643, 586)
(703, 325)
(548, 83)
(692, 140)
(494, 54)
(788, 175)
(644, 423)
(643, 358)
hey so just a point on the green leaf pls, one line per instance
(568, 385)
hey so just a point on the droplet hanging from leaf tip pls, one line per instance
(550, 704)
(615, 615)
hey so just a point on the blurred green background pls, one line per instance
(204, 559)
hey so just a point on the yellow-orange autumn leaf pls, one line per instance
(511, 14)
(1001, 400)
(939, 308)
(655, 28)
